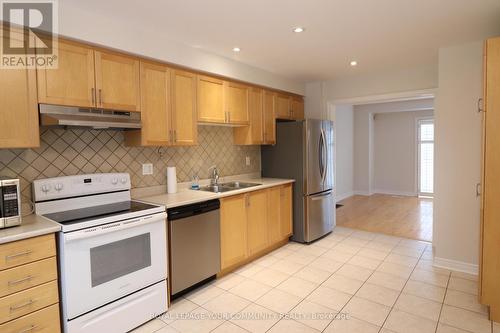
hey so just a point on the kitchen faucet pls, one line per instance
(215, 175)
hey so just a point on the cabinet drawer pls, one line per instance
(26, 251)
(27, 276)
(27, 301)
(42, 321)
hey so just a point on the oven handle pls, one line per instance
(112, 227)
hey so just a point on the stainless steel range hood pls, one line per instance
(57, 115)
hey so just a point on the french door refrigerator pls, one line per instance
(304, 151)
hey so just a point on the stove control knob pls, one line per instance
(123, 180)
(59, 187)
(46, 188)
(114, 181)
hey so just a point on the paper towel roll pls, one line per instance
(171, 180)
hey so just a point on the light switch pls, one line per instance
(247, 160)
(147, 169)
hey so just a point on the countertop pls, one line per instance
(31, 226)
(186, 196)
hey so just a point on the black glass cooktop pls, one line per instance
(97, 212)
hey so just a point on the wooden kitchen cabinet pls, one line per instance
(233, 226)
(29, 294)
(274, 214)
(286, 215)
(257, 221)
(210, 100)
(253, 134)
(490, 209)
(19, 109)
(117, 81)
(72, 83)
(254, 223)
(168, 104)
(269, 117)
(155, 106)
(283, 107)
(297, 108)
(184, 118)
(236, 103)
(289, 107)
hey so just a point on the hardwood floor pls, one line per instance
(408, 217)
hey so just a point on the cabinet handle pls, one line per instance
(478, 190)
(480, 106)
(20, 254)
(14, 282)
(225, 116)
(100, 97)
(175, 136)
(29, 329)
(228, 116)
(22, 305)
(92, 91)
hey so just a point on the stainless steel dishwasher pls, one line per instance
(194, 244)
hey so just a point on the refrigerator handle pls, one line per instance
(321, 196)
(324, 158)
(320, 156)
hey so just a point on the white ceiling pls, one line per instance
(380, 34)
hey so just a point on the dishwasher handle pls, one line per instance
(192, 210)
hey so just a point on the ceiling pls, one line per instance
(380, 34)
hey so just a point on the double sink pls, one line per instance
(226, 187)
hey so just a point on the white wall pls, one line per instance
(94, 27)
(395, 152)
(458, 156)
(344, 146)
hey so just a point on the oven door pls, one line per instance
(103, 263)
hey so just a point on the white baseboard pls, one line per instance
(400, 193)
(343, 196)
(362, 193)
(455, 265)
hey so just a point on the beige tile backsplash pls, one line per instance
(78, 151)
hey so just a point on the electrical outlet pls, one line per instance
(247, 160)
(147, 169)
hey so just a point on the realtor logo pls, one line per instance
(29, 31)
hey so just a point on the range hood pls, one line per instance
(58, 115)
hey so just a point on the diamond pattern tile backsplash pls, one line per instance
(78, 151)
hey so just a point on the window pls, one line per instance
(426, 157)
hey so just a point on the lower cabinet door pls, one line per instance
(274, 215)
(257, 221)
(233, 225)
(286, 216)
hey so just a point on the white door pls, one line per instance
(425, 149)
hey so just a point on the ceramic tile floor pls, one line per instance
(349, 281)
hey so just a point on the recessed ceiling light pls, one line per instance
(236, 49)
(353, 63)
(298, 29)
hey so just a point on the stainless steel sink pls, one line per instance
(229, 186)
(238, 185)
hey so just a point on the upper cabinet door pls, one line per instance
(254, 133)
(283, 109)
(117, 81)
(210, 102)
(297, 107)
(18, 108)
(269, 117)
(184, 117)
(72, 83)
(236, 98)
(155, 104)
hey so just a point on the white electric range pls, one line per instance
(112, 251)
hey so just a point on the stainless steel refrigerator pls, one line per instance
(304, 151)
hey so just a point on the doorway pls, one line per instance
(425, 159)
